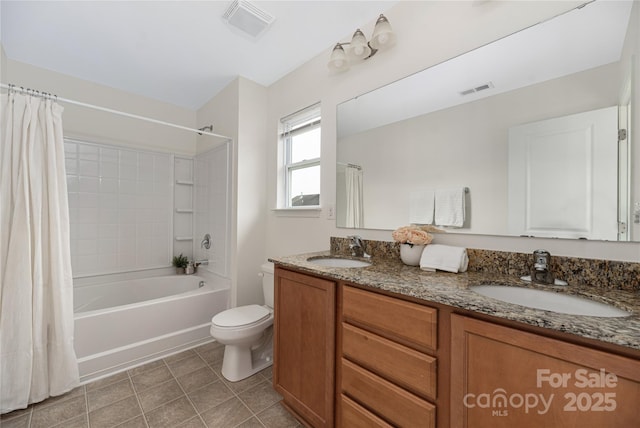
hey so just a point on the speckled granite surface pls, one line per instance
(390, 274)
(599, 273)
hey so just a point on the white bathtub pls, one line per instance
(126, 323)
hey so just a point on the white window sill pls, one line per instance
(310, 211)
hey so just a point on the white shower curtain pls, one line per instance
(37, 358)
(354, 184)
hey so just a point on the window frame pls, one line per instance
(302, 121)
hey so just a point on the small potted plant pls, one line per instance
(180, 262)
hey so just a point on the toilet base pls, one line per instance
(240, 362)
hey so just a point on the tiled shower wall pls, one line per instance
(120, 208)
(212, 207)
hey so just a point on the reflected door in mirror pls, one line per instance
(562, 177)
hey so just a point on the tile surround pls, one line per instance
(609, 274)
(120, 203)
(185, 390)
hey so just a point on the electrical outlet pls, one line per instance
(331, 212)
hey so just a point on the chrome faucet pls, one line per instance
(541, 272)
(357, 247)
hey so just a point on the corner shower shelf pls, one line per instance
(184, 182)
(184, 238)
(184, 211)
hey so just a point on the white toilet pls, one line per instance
(247, 333)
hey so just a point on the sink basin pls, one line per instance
(338, 262)
(549, 301)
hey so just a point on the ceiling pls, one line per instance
(179, 52)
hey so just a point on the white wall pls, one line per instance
(239, 111)
(3, 64)
(101, 127)
(427, 33)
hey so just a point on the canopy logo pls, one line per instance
(500, 402)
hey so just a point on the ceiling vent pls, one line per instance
(247, 18)
(477, 89)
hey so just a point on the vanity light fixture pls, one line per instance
(359, 49)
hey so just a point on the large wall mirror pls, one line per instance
(528, 125)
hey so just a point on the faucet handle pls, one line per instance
(542, 259)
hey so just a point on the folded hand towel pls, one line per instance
(421, 205)
(444, 257)
(449, 207)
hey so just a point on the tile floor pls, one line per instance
(185, 390)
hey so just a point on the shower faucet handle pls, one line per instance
(206, 242)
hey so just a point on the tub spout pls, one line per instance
(201, 262)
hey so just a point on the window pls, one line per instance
(301, 168)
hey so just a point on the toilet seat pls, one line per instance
(241, 316)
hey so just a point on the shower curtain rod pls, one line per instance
(352, 165)
(108, 110)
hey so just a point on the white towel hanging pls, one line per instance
(450, 207)
(421, 206)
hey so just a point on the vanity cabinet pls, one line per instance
(348, 356)
(304, 345)
(387, 368)
(505, 377)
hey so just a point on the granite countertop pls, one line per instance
(453, 290)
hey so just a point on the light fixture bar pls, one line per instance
(359, 49)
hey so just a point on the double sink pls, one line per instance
(527, 297)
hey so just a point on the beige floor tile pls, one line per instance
(171, 414)
(267, 373)
(146, 367)
(277, 416)
(186, 365)
(211, 352)
(193, 423)
(149, 378)
(159, 388)
(179, 356)
(76, 392)
(216, 366)
(210, 396)
(109, 394)
(15, 414)
(21, 421)
(260, 397)
(116, 413)
(197, 379)
(244, 384)
(251, 423)
(137, 422)
(228, 414)
(48, 416)
(100, 383)
(81, 421)
(160, 394)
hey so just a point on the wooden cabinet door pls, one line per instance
(503, 377)
(304, 345)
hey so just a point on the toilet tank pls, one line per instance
(267, 283)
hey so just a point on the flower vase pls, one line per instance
(410, 254)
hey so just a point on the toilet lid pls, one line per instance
(241, 315)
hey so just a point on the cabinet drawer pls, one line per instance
(355, 416)
(414, 324)
(394, 404)
(397, 363)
